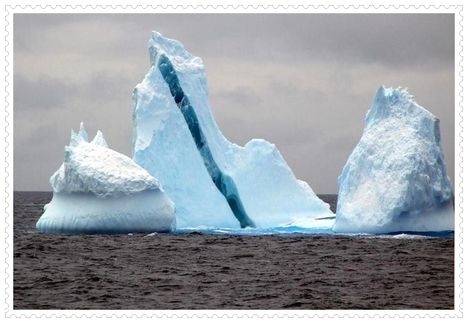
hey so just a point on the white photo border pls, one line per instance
(7, 133)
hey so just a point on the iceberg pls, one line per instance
(395, 179)
(213, 182)
(98, 190)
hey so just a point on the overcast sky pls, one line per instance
(302, 81)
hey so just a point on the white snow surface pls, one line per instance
(97, 190)
(396, 179)
(163, 145)
(94, 168)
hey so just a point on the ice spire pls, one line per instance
(76, 138)
(99, 140)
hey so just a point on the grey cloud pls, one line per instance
(303, 82)
(240, 96)
(43, 93)
(397, 39)
(50, 93)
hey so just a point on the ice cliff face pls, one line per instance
(97, 190)
(213, 182)
(396, 179)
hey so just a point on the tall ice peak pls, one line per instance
(245, 186)
(180, 58)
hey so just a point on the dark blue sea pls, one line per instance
(196, 270)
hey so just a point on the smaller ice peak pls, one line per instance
(182, 60)
(82, 136)
(99, 140)
(82, 132)
(397, 103)
(76, 138)
(94, 168)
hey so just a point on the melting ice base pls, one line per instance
(84, 213)
(294, 231)
(321, 227)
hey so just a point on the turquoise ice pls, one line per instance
(213, 182)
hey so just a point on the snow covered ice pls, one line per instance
(396, 179)
(97, 190)
(213, 182)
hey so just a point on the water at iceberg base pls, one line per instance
(299, 231)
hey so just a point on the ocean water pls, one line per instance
(227, 270)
